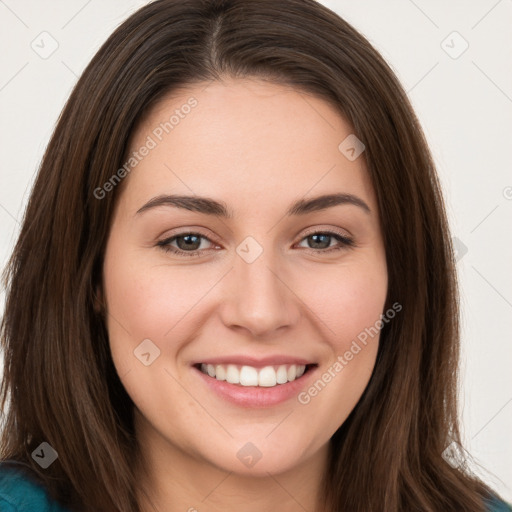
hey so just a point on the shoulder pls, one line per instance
(20, 493)
(494, 504)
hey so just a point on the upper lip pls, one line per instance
(257, 362)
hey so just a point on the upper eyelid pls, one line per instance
(339, 231)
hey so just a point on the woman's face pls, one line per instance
(264, 282)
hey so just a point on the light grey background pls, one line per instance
(463, 98)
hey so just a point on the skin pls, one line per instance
(257, 147)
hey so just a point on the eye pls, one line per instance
(188, 244)
(321, 241)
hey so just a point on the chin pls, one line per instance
(258, 456)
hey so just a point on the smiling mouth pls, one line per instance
(243, 375)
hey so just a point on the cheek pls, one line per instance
(350, 305)
(348, 301)
(149, 301)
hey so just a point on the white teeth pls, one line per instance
(282, 375)
(268, 377)
(220, 372)
(232, 374)
(248, 376)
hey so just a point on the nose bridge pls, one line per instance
(258, 299)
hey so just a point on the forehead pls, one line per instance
(242, 140)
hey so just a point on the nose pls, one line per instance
(258, 299)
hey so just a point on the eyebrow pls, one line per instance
(210, 206)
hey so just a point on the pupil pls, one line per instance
(188, 244)
(315, 238)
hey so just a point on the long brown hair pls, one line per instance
(59, 379)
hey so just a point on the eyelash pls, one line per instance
(345, 242)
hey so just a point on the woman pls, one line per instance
(234, 284)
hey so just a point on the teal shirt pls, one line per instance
(20, 494)
(499, 506)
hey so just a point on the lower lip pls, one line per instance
(256, 396)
